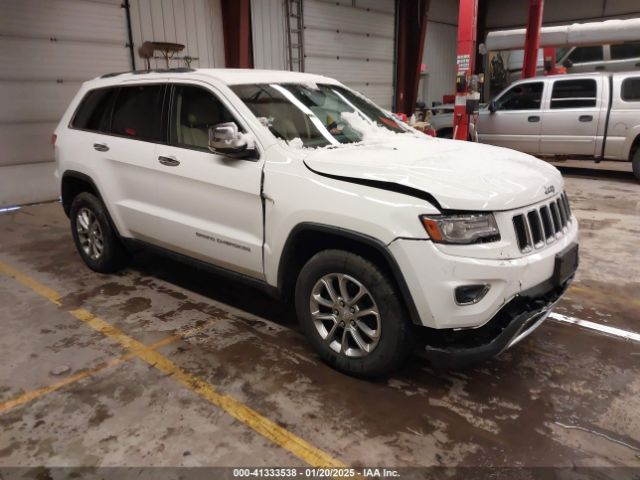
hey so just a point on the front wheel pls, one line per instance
(351, 314)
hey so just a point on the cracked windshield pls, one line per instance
(314, 116)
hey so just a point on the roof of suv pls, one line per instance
(229, 76)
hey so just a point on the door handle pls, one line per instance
(600, 67)
(585, 118)
(169, 161)
(533, 118)
(101, 147)
(638, 64)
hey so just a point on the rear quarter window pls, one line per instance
(94, 111)
(630, 91)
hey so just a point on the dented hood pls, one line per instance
(458, 175)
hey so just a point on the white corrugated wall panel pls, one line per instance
(46, 49)
(64, 60)
(344, 17)
(387, 6)
(29, 102)
(354, 44)
(269, 34)
(196, 24)
(348, 45)
(439, 57)
(64, 20)
(26, 142)
(30, 183)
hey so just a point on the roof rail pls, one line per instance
(157, 70)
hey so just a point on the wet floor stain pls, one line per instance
(563, 397)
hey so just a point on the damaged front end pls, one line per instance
(461, 348)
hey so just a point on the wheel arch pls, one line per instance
(635, 145)
(307, 239)
(74, 183)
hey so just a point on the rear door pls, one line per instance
(516, 121)
(573, 113)
(125, 156)
(208, 206)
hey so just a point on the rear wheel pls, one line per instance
(95, 239)
(351, 314)
(635, 162)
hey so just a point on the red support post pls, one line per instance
(412, 29)
(467, 25)
(236, 26)
(532, 38)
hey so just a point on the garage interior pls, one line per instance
(164, 365)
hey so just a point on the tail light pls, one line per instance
(54, 137)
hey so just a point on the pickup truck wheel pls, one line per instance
(351, 314)
(635, 162)
(95, 238)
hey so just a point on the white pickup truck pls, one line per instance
(593, 115)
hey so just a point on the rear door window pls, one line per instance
(580, 93)
(94, 112)
(625, 51)
(137, 113)
(630, 91)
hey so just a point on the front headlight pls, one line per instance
(461, 229)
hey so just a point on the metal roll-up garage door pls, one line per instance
(352, 41)
(47, 49)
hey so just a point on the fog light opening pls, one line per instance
(471, 294)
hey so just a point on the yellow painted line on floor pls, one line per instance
(35, 394)
(29, 282)
(267, 428)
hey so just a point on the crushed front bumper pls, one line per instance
(456, 349)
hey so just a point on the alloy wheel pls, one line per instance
(345, 315)
(89, 234)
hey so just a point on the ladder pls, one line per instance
(295, 35)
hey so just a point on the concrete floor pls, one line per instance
(565, 397)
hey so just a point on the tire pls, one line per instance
(96, 240)
(635, 163)
(320, 317)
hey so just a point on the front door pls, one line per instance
(208, 206)
(516, 121)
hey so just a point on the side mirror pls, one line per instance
(493, 106)
(567, 63)
(225, 139)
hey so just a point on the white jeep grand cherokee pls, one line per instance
(386, 239)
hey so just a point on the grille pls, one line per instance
(543, 224)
